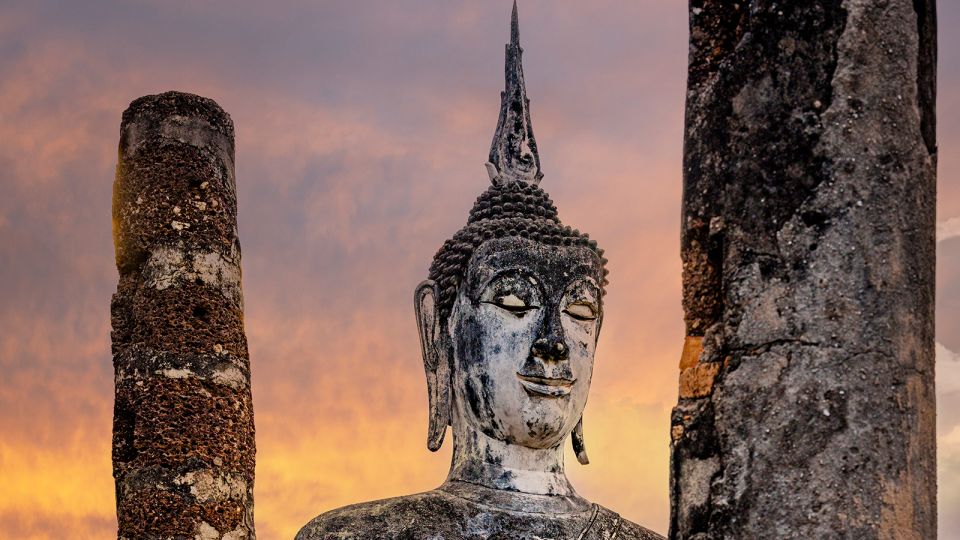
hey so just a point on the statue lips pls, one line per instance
(547, 387)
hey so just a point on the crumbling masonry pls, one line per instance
(183, 440)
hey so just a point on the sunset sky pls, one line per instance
(362, 129)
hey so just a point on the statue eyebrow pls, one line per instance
(587, 269)
(519, 270)
(589, 280)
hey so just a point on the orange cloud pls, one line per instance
(358, 152)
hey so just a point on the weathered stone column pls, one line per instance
(183, 439)
(806, 403)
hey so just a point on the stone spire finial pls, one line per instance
(513, 154)
(514, 27)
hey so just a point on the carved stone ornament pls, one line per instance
(508, 320)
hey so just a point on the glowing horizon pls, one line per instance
(361, 137)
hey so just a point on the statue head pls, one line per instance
(511, 312)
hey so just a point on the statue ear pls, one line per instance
(579, 446)
(435, 361)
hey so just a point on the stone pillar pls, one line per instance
(806, 405)
(183, 437)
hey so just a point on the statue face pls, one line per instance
(524, 330)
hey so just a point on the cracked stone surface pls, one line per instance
(806, 404)
(183, 439)
(509, 319)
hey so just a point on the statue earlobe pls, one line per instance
(435, 362)
(579, 447)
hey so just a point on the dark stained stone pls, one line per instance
(808, 247)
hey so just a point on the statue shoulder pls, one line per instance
(408, 517)
(609, 524)
(631, 531)
(437, 515)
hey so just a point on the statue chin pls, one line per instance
(508, 320)
(543, 433)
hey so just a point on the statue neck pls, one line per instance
(485, 461)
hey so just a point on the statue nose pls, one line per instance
(550, 349)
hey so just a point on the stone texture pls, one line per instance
(442, 514)
(183, 441)
(808, 266)
(509, 319)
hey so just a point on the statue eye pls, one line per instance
(513, 303)
(581, 311)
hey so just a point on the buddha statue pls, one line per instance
(508, 321)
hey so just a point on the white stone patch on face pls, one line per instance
(581, 311)
(512, 301)
(524, 329)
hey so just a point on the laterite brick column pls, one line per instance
(183, 440)
(806, 406)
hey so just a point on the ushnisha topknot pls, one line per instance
(515, 205)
